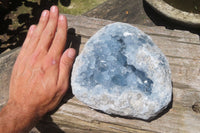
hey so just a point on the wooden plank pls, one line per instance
(183, 52)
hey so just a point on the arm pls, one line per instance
(13, 119)
(40, 76)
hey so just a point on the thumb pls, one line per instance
(66, 63)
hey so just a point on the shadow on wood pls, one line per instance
(73, 40)
(46, 125)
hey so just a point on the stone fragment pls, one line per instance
(121, 71)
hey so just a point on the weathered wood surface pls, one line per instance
(183, 52)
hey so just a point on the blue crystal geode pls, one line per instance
(121, 71)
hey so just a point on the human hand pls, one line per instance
(40, 76)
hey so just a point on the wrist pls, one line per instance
(16, 118)
(26, 112)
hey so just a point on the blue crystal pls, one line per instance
(119, 68)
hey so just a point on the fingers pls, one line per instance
(66, 63)
(26, 42)
(29, 34)
(33, 37)
(49, 31)
(60, 38)
(50, 36)
(28, 37)
(39, 30)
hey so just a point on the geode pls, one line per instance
(122, 72)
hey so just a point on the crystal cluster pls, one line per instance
(121, 71)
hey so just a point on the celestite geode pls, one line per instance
(121, 71)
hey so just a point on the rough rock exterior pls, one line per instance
(121, 71)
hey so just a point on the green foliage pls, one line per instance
(78, 7)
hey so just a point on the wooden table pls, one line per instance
(183, 53)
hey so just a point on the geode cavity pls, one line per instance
(121, 71)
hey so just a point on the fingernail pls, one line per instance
(61, 17)
(31, 28)
(53, 9)
(71, 53)
(44, 13)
